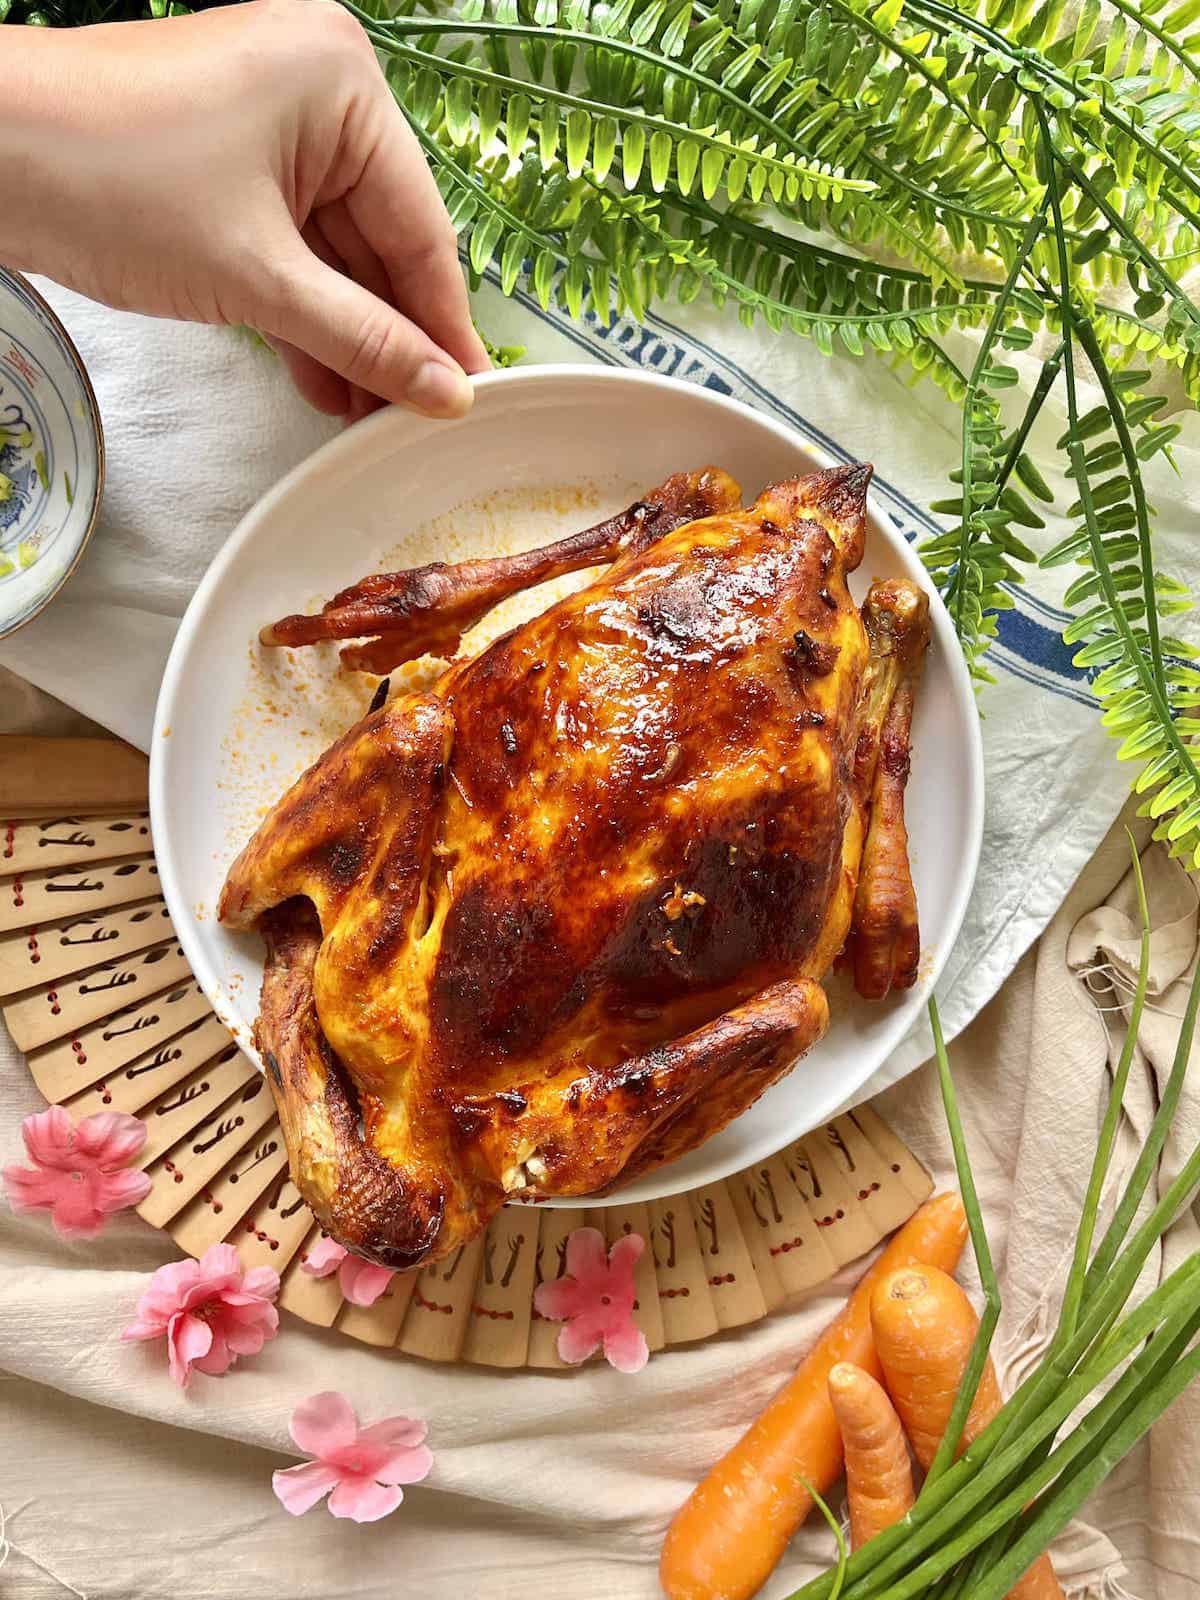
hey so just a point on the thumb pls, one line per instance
(352, 332)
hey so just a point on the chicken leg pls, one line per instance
(426, 610)
(884, 945)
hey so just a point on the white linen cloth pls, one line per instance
(200, 421)
(562, 1484)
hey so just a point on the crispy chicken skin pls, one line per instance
(559, 919)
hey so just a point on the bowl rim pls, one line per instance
(10, 275)
(532, 377)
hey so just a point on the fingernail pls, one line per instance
(441, 390)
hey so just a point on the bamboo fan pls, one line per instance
(98, 995)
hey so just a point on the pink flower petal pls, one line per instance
(559, 1299)
(325, 1257)
(188, 1341)
(219, 1357)
(49, 1138)
(142, 1330)
(248, 1338)
(623, 1258)
(76, 1214)
(110, 1138)
(261, 1281)
(364, 1501)
(299, 1488)
(220, 1261)
(117, 1190)
(362, 1282)
(578, 1338)
(394, 1433)
(251, 1314)
(625, 1347)
(32, 1188)
(408, 1465)
(324, 1424)
(167, 1290)
(587, 1260)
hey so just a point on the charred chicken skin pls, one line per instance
(560, 918)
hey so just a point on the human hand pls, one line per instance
(244, 165)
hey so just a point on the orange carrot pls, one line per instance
(924, 1327)
(729, 1534)
(878, 1472)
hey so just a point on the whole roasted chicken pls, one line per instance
(558, 919)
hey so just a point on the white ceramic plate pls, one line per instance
(545, 450)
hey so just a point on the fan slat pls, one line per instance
(737, 1298)
(684, 1298)
(38, 897)
(60, 1010)
(50, 951)
(63, 841)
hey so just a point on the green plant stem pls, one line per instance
(977, 1361)
(622, 114)
(946, 18)
(1148, 259)
(1039, 1527)
(1031, 1414)
(938, 84)
(1073, 1294)
(1047, 378)
(994, 1550)
(975, 383)
(1149, 24)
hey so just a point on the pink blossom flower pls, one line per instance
(210, 1311)
(81, 1175)
(364, 1467)
(361, 1282)
(595, 1298)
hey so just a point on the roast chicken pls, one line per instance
(558, 919)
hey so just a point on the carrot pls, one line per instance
(729, 1534)
(924, 1327)
(878, 1472)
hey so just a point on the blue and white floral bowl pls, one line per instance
(51, 454)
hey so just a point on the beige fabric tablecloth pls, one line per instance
(122, 1486)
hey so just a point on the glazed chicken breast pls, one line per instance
(561, 917)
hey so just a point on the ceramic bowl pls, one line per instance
(51, 454)
(546, 450)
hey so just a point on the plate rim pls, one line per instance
(533, 376)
